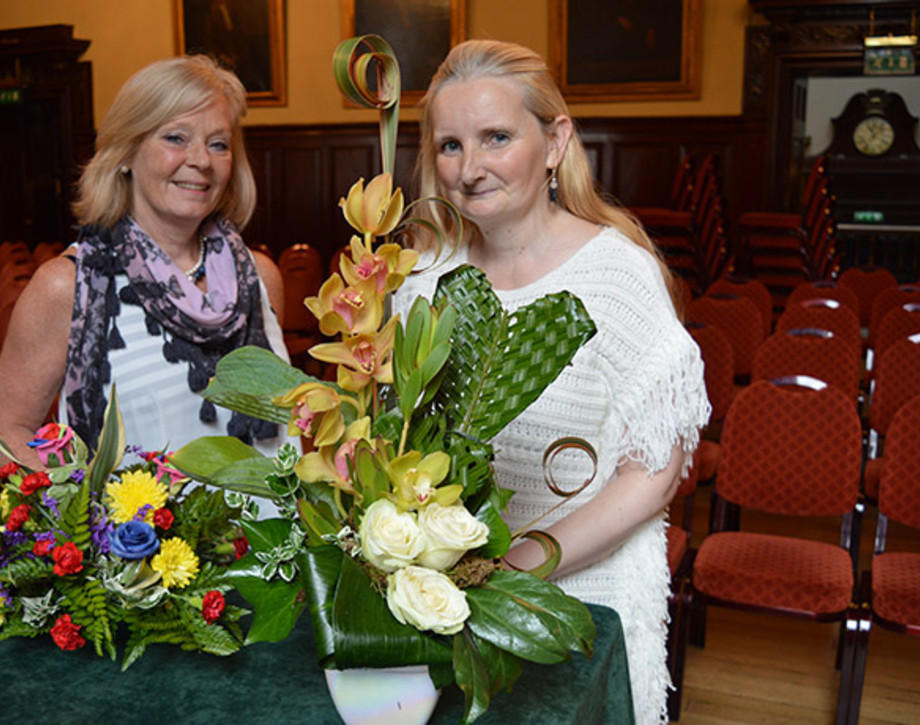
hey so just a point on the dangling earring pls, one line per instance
(553, 187)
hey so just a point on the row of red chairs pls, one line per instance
(816, 345)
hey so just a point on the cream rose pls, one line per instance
(449, 531)
(390, 540)
(426, 599)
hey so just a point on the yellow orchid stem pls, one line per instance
(402, 438)
(337, 496)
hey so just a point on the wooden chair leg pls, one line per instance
(697, 632)
(680, 606)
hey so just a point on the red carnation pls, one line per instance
(240, 547)
(34, 481)
(8, 470)
(68, 559)
(66, 634)
(18, 516)
(163, 518)
(212, 606)
(43, 548)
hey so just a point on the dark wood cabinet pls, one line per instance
(46, 130)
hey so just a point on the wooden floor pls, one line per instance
(772, 670)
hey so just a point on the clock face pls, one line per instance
(873, 136)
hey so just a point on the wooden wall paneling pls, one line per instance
(303, 171)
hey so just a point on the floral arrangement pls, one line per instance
(86, 550)
(393, 511)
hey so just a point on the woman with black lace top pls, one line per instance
(159, 284)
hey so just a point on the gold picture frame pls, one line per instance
(247, 36)
(626, 50)
(421, 33)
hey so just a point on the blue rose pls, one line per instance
(134, 540)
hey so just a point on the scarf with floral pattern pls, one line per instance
(198, 328)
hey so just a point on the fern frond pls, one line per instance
(76, 517)
(25, 572)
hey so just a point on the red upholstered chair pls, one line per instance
(47, 250)
(753, 289)
(890, 590)
(786, 451)
(719, 376)
(887, 300)
(741, 322)
(826, 289)
(896, 380)
(303, 272)
(822, 314)
(816, 353)
(867, 283)
(896, 324)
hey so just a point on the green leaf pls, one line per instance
(533, 619)
(248, 378)
(111, 445)
(504, 668)
(501, 362)
(226, 462)
(321, 573)
(499, 533)
(276, 604)
(472, 676)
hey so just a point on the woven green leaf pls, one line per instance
(501, 362)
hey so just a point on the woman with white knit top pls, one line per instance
(497, 141)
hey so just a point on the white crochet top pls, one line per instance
(634, 390)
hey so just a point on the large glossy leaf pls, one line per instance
(501, 362)
(247, 379)
(226, 462)
(533, 619)
(367, 635)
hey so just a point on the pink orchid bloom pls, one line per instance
(315, 411)
(388, 266)
(361, 358)
(330, 463)
(355, 309)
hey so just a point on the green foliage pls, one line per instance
(225, 462)
(76, 516)
(501, 361)
(26, 573)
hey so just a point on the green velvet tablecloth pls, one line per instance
(281, 683)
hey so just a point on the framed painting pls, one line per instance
(421, 33)
(244, 35)
(626, 50)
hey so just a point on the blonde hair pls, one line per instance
(154, 95)
(577, 191)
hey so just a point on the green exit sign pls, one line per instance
(10, 96)
(890, 55)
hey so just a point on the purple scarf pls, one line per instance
(197, 328)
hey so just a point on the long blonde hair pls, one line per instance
(154, 95)
(577, 191)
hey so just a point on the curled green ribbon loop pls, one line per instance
(350, 66)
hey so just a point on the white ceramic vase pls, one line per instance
(385, 696)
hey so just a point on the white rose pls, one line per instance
(450, 531)
(390, 540)
(426, 599)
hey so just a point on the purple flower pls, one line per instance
(101, 529)
(78, 475)
(51, 503)
(14, 538)
(5, 597)
(142, 512)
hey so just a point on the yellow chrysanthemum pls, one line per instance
(176, 562)
(4, 504)
(134, 490)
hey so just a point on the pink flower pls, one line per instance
(52, 439)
